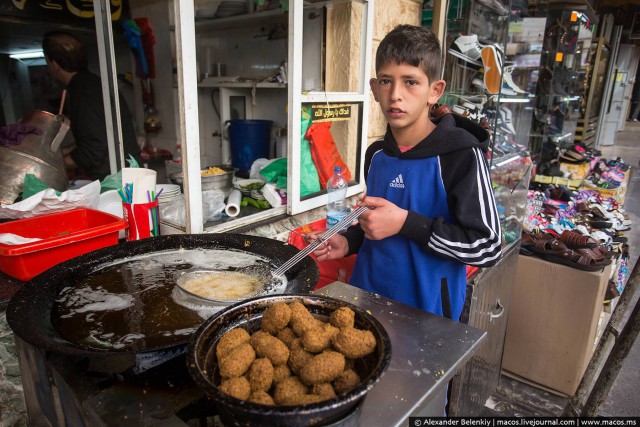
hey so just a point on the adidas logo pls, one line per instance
(398, 182)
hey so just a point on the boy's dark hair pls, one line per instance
(66, 49)
(412, 45)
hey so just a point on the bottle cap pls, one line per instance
(337, 169)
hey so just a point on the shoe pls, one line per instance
(611, 292)
(505, 119)
(439, 111)
(505, 90)
(469, 110)
(467, 48)
(495, 5)
(508, 79)
(492, 62)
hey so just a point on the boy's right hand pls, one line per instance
(334, 248)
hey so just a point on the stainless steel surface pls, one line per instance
(39, 155)
(489, 298)
(427, 351)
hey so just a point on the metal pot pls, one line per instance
(202, 364)
(223, 181)
(29, 312)
(39, 155)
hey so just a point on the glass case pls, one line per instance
(561, 81)
(491, 54)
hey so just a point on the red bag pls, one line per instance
(324, 152)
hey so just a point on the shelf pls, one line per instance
(245, 84)
(267, 17)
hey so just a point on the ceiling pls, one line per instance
(18, 35)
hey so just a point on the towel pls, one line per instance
(14, 134)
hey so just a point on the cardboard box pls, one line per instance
(553, 320)
(576, 171)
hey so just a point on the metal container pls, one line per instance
(30, 311)
(223, 181)
(39, 155)
(202, 365)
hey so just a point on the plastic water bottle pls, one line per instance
(337, 197)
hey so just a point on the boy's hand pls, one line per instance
(383, 219)
(334, 248)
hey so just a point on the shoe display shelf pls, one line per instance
(561, 85)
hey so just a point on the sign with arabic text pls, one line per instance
(59, 11)
(330, 113)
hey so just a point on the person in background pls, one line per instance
(432, 208)
(67, 62)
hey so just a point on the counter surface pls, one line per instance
(427, 351)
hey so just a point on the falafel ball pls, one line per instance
(343, 317)
(354, 343)
(276, 317)
(323, 389)
(281, 372)
(347, 380)
(266, 345)
(318, 338)
(231, 339)
(323, 368)
(261, 397)
(237, 361)
(299, 357)
(237, 387)
(289, 391)
(286, 335)
(301, 318)
(260, 374)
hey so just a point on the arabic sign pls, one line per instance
(330, 113)
(60, 11)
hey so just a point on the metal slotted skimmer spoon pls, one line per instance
(262, 271)
(346, 221)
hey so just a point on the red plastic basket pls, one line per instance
(64, 235)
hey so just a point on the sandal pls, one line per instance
(575, 240)
(557, 252)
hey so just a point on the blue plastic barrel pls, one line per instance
(250, 140)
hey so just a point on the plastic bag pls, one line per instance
(32, 185)
(276, 173)
(114, 181)
(212, 208)
(309, 180)
(325, 152)
(212, 204)
(256, 167)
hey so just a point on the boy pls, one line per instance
(429, 192)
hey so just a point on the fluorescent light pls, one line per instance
(28, 55)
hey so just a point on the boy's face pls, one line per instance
(406, 95)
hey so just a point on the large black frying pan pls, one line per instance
(29, 311)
